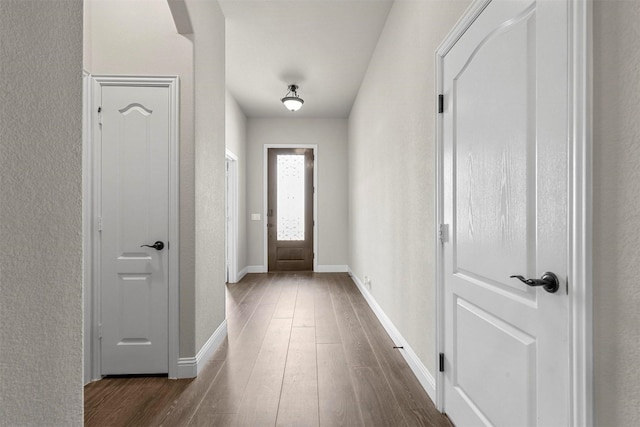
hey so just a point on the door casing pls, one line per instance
(232, 211)
(91, 208)
(265, 200)
(580, 206)
(87, 372)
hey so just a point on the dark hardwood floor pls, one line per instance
(303, 349)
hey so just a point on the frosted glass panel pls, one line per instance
(290, 197)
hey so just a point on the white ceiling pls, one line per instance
(324, 46)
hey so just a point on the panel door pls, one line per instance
(505, 141)
(134, 211)
(290, 210)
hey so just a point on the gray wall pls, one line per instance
(331, 137)
(391, 170)
(41, 213)
(616, 213)
(210, 217)
(236, 140)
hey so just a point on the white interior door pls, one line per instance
(505, 147)
(134, 211)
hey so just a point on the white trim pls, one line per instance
(231, 155)
(579, 221)
(213, 343)
(174, 227)
(187, 367)
(172, 83)
(265, 199)
(439, 250)
(231, 193)
(580, 225)
(190, 367)
(468, 17)
(87, 366)
(421, 372)
(93, 206)
(332, 269)
(242, 273)
(256, 269)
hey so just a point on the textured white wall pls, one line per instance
(616, 216)
(331, 137)
(391, 169)
(41, 213)
(236, 131)
(209, 67)
(131, 37)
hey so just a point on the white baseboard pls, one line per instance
(190, 367)
(319, 269)
(242, 273)
(256, 269)
(332, 269)
(421, 372)
(187, 367)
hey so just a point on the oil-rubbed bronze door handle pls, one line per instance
(158, 246)
(548, 280)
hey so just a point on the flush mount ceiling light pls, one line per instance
(291, 100)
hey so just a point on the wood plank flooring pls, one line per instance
(303, 349)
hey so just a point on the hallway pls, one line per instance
(303, 349)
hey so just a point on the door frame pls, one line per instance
(88, 345)
(231, 193)
(265, 199)
(579, 233)
(92, 205)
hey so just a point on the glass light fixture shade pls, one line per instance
(293, 103)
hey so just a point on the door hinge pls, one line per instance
(100, 331)
(440, 103)
(443, 233)
(100, 116)
(99, 223)
(441, 363)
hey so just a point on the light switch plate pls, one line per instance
(255, 217)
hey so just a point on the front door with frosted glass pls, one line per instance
(290, 210)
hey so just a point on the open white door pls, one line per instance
(505, 136)
(134, 140)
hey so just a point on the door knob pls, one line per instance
(158, 246)
(548, 280)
